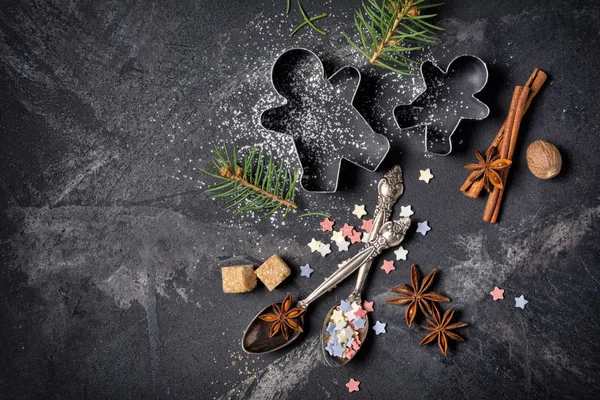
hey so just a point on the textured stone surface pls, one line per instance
(110, 251)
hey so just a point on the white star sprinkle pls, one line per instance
(359, 211)
(337, 236)
(406, 211)
(342, 245)
(314, 245)
(324, 249)
(426, 175)
(401, 253)
(520, 302)
(423, 228)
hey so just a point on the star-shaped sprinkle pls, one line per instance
(345, 306)
(359, 211)
(338, 350)
(306, 270)
(347, 230)
(406, 211)
(425, 175)
(379, 327)
(497, 293)
(520, 302)
(329, 348)
(330, 328)
(327, 225)
(401, 253)
(355, 237)
(360, 313)
(359, 323)
(324, 249)
(350, 354)
(388, 266)
(314, 245)
(349, 342)
(342, 245)
(367, 225)
(347, 332)
(353, 385)
(423, 228)
(368, 305)
(337, 316)
(340, 325)
(365, 239)
(337, 236)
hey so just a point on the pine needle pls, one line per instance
(389, 29)
(259, 186)
(309, 20)
(305, 22)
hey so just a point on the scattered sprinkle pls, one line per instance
(406, 211)
(368, 306)
(347, 230)
(342, 245)
(401, 253)
(337, 236)
(327, 225)
(497, 293)
(314, 245)
(367, 225)
(353, 385)
(520, 302)
(388, 266)
(324, 249)
(345, 306)
(379, 328)
(306, 270)
(359, 211)
(425, 175)
(423, 228)
(355, 237)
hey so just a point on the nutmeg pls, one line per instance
(543, 159)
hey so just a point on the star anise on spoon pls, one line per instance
(417, 296)
(441, 328)
(284, 317)
(488, 168)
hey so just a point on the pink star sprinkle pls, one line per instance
(362, 313)
(347, 230)
(350, 354)
(368, 306)
(367, 225)
(355, 345)
(497, 293)
(388, 266)
(353, 385)
(355, 237)
(327, 225)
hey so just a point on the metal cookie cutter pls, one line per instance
(448, 98)
(320, 116)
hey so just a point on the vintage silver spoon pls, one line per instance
(257, 338)
(390, 188)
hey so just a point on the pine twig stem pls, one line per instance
(237, 177)
(386, 41)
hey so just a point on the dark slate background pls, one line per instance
(110, 250)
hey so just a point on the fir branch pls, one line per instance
(258, 186)
(391, 29)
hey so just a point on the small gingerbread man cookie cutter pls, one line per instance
(448, 98)
(319, 115)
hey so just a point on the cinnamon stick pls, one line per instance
(511, 151)
(507, 150)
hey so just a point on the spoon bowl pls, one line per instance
(257, 337)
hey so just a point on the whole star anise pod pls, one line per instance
(441, 328)
(416, 296)
(488, 167)
(284, 317)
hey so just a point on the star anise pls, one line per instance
(488, 167)
(441, 328)
(417, 295)
(284, 317)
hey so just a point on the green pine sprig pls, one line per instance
(255, 186)
(389, 29)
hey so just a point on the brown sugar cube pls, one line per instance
(238, 278)
(273, 272)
